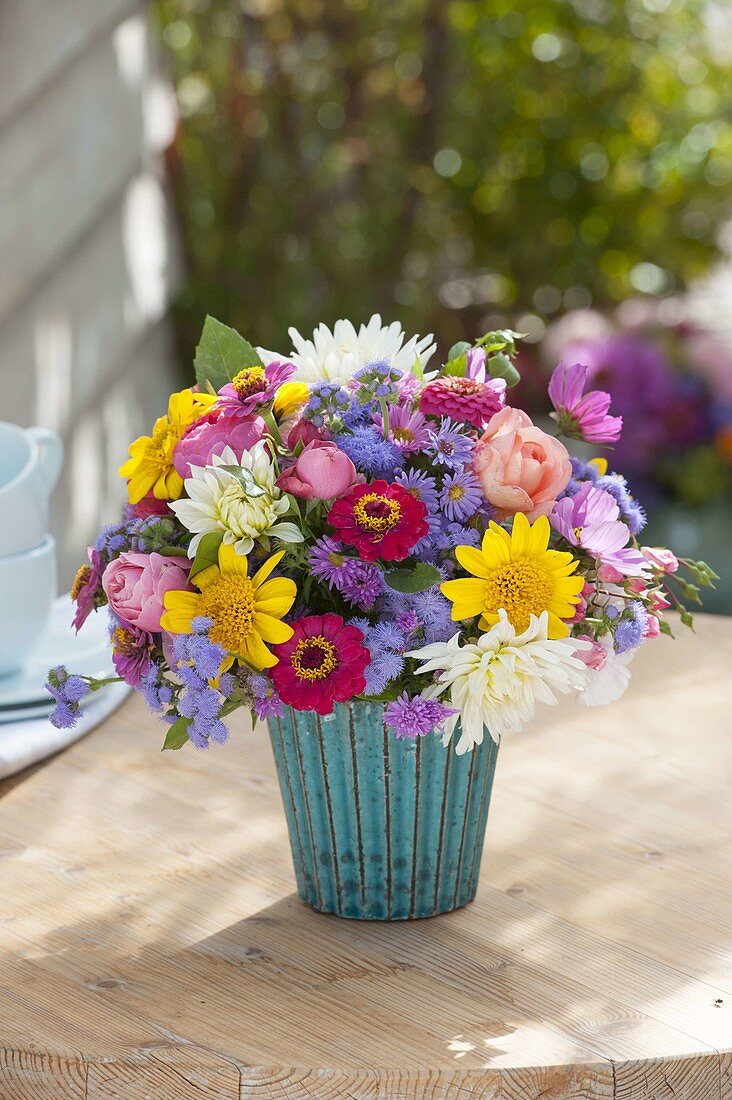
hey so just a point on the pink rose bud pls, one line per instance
(520, 467)
(580, 611)
(651, 627)
(608, 574)
(662, 558)
(658, 603)
(151, 506)
(136, 583)
(302, 431)
(322, 472)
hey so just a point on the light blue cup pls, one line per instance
(380, 828)
(30, 464)
(27, 591)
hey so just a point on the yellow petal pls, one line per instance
(180, 609)
(468, 596)
(520, 536)
(473, 561)
(207, 576)
(556, 628)
(271, 629)
(539, 535)
(264, 570)
(257, 654)
(277, 606)
(231, 562)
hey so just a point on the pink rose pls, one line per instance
(302, 431)
(136, 583)
(151, 506)
(322, 472)
(521, 468)
(662, 558)
(211, 434)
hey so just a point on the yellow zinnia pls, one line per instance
(519, 573)
(150, 465)
(246, 611)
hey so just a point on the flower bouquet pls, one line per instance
(391, 566)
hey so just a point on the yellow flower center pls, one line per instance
(314, 658)
(124, 643)
(456, 492)
(578, 533)
(522, 587)
(83, 574)
(229, 602)
(248, 381)
(376, 514)
(404, 435)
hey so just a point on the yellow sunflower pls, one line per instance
(246, 611)
(150, 465)
(517, 572)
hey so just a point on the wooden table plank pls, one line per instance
(152, 944)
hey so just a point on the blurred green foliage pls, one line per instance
(451, 163)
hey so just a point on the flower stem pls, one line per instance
(384, 416)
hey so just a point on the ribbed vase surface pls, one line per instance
(380, 828)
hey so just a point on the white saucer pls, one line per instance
(88, 653)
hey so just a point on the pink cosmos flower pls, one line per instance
(322, 472)
(252, 387)
(85, 587)
(136, 583)
(407, 428)
(663, 559)
(520, 467)
(582, 415)
(590, 520)
(211, 434)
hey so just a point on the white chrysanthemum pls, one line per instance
(336, 356)
(245, 507)
(497, 681)
(606, 684)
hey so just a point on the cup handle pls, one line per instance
(51, 449)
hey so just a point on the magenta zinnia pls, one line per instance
(581, 415)
(465, 400)
(323, 663)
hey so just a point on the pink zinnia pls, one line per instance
(323, 663)
(252, 387)
(465, 400)
(579, 414)
(590, 521)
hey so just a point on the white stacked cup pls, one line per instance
(30, 463)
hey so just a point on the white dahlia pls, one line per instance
(335, 356)
(244, 502)
(608, 675)
(497, 681)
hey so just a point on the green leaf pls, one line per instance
(221, 354)
(177, 734)
(208, 553)
(414, 579)
(246, 480)
(173, 552)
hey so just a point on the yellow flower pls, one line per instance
(150, 465)
(289, 398)
(600, 465)
(246, 611)
(516, 572)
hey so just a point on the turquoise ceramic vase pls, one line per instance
(380, 828)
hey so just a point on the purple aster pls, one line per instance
(326, 559)
(371, 453)
(266, 701)
(359, 582)
(450, 446)
(630, 628)
(407, 428)
(132, 650)
(421, 486)
(461, 495)
(412, 718)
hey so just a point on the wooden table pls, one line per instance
(152, 945)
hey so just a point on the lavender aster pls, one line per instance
(359, 582)
(412, 718)
(450, 446)
(461, 495)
